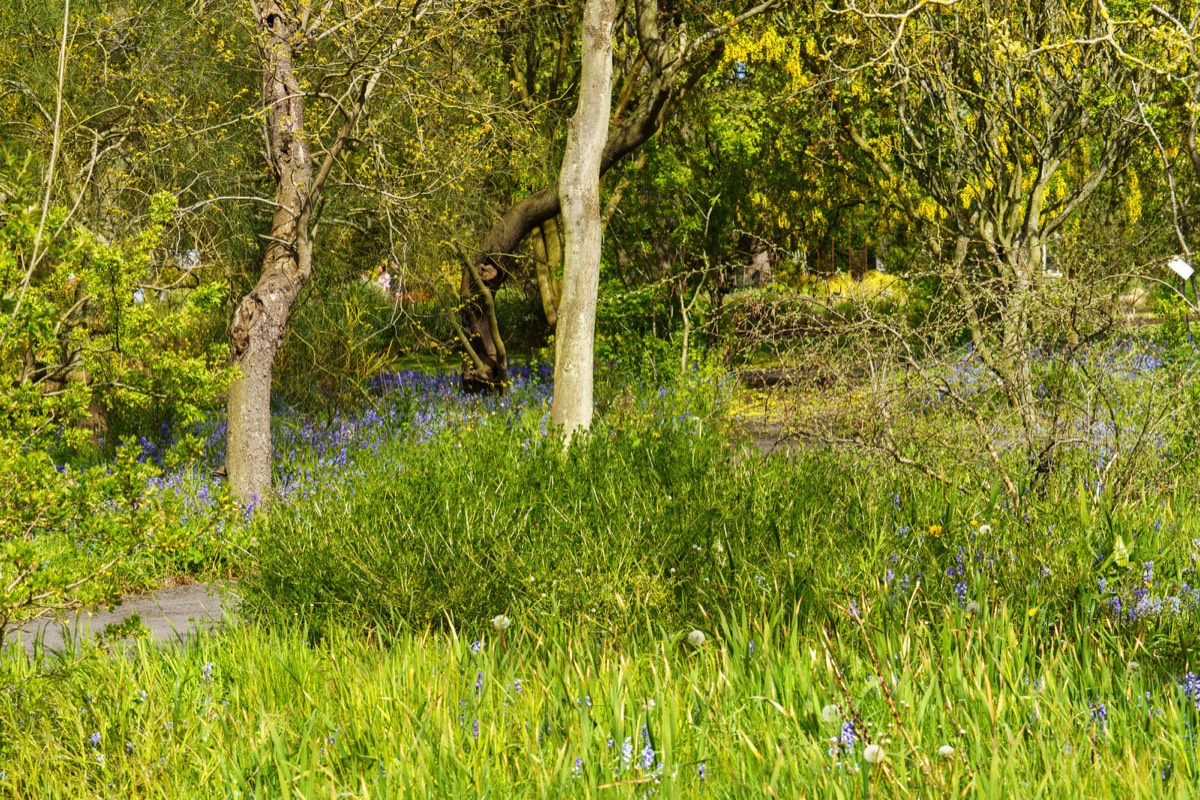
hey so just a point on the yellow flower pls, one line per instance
(935, 530)
(1033, 612)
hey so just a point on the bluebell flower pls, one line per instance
(848, 736)
(1191, 688)
(647, 759)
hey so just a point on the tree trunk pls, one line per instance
(579, 192)
(546, 256)
(664, 92)
(258, 324)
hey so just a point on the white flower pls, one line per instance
(501, 622)
(985, 530)
(873, 754)
(946, 751)
(972, 608)
(830, 713)
(1134, 666)
(696, 638)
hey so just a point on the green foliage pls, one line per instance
(71, 536)
(336, 342)
(1174, 312)
(83, 335)
(633, 329)
(85, 342)
(653, 518)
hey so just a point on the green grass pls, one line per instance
(659, 522)
(830, 588)
(351, 718)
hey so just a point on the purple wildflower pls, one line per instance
(848, 737)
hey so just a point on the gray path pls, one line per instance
(172, 615)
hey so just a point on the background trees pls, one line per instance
(668, 62)
(960, 142)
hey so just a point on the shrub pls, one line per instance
(494, 518)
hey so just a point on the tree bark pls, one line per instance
(259, 321)
(579, 192)
(261, 318)
(547, 256)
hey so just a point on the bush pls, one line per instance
(500, 519)
(73, 536)
(85, 337)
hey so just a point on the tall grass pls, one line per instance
(763, 708)
(688, 618)
(650, 525)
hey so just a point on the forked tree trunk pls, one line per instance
(579, 192)
(259, 322)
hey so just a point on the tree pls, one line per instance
(108, 319)
(668, 65)
(994, 124)
(364, 39)
(1172, 116)
(579, 194)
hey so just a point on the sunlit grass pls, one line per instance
(573, 712)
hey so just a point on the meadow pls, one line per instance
(581, 398)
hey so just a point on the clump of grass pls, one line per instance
(650, 522)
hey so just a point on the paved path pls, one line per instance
(172, 615)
